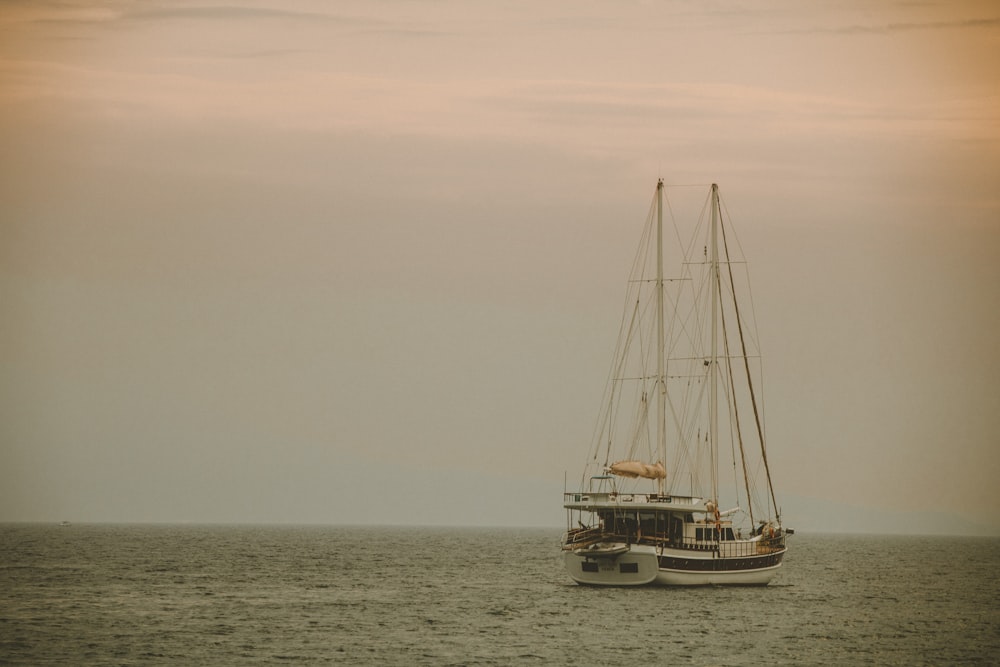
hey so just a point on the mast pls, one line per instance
(713, 409)
(661, 385)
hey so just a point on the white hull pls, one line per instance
(616, 571)
(761, 577)
(640, 566)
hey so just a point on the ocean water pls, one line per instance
(220, 595)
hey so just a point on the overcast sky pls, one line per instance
(362, 261)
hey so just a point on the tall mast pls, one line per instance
(661, 385)
(714, 360)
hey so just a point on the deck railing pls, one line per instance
(581, 537)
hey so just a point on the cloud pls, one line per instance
(54, 12)
(61, 14)
(234, 13)
(888, 28)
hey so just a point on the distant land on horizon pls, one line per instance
(460, 527)
(807, 516)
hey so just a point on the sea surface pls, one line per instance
(236, 595)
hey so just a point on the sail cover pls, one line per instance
(638, 469)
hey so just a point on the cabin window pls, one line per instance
(651, 524)
(589, 566)
(707, 534)
(626, 568)
(727, 534)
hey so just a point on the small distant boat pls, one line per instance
(65, 523)
(683, 393)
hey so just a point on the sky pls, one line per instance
(362, 262)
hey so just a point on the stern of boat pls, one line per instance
(612, 564)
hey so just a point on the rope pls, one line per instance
(746, 363)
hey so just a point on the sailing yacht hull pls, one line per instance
(641, 565)
(609, 574)
(677, 567)
(750, 578)
(754, 577)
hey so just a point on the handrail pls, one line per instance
(625, 497)
(580, 537)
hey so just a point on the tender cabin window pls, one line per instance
(626, 568)
(727, 534)
(589, 566)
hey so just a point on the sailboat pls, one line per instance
(677, 487)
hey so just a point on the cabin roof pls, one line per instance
(593, 502)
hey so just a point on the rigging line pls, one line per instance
(734, 406)
(686, 250)
(692, 330)
(681, 426)
(604, 414)
(691, 325)
(689, 430)
(755, 335)
(640, 419)
(605, 417)
(755, 339)
(653, 280)
(681, 325)
(673, 221)
(621, 357)
(753, 397)
(627, 328)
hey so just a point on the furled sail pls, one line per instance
(635, 469)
